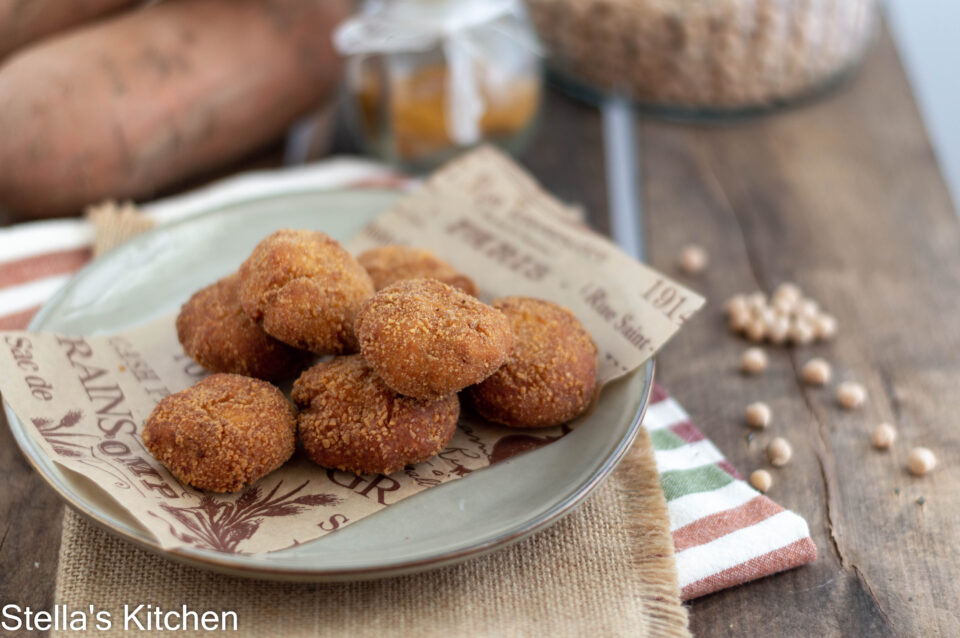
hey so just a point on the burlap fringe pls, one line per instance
(114, 224)
(638, 484)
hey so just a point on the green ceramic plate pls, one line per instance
(155, 273)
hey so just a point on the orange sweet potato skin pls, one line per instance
(24, 21)
(129, 105)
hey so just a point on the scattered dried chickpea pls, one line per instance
(921, 460)
(816, 372)
(801, 333)
(739, 319)
(851, 395)
(753, 361)
(825, 326)
(783, 305)
(693, 259)
(761, 480)
(883, 436)
(758, 415)
(807, 309)
(756, 301)
(787, 316)
(756, 330)
(766, 314)
(788, 291)
(780, 451)
(736, 303)
(778, 330)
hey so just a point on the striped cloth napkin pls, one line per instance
(725, 532)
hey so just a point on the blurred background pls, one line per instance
(929, 49)
(123, 100)
(786, 140)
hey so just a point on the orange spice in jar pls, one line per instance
(418, 107)
(416, 112)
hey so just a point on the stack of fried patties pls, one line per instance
(399, 335)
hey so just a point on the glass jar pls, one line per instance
(426, 79)
(703, 57)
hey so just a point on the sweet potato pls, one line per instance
(23, 21)
(129, 105)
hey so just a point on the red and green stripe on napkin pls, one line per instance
(724, 532)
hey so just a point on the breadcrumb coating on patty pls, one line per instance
(390, 264)
(353, 422)
(303, 288)
(216, 332)
(428, 340)
(551, 375)
(223, 433)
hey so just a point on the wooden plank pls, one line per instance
(30, 514)
(843, 196)
(566, 155)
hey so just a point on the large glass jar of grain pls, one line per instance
(428, 78)
(704, 57)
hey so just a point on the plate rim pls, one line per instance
(294, 573)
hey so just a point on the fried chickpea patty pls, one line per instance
(353, 422)
(223, 433)
(390, 264)
(551, 375)
(428, 340)
(304, 289)
(218, 334)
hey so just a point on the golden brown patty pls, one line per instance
(390, 264)
(428, 340)
(551, 375)
(355, 423)
(223, 433)
(219, 335)
(304, 289)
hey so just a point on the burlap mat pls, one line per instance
(605, 570)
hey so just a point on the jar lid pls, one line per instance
(392, 26)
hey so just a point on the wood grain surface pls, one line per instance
(842, 195)
(30, 514)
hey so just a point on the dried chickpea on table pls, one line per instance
(788, 318)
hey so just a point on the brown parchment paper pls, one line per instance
(488, 218)
(84, 399)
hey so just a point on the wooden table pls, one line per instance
(843, 196)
